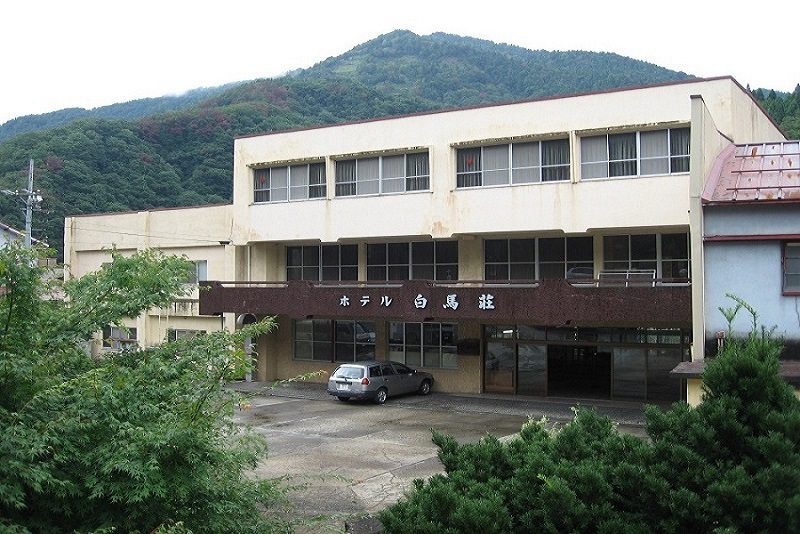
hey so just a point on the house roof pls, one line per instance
(16, 233)
(8, 228)
(755, 173)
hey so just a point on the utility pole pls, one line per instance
(29, 206)
(31, 199)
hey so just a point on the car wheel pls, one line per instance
(381, 395)
(425, 387)
(343, 399)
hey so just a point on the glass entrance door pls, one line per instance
(499, 366)
(531, 369)
(515, 367)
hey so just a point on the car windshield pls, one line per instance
(348, 372)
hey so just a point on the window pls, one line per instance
(200, 273)
(666, 254)
(791, 268)
(515, 163)
(635, 153)
(334, 341)
(418, 260)
(322, 262)
(119, 337)
(424, 344)
(538, 258)
(510, 259)
(176, 334)
(296, 182)
(383, 174)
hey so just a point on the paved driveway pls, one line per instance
(358, 457)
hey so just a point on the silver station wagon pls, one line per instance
(377, 380)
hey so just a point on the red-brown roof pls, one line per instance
(755, 173)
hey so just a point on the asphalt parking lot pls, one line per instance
(359, 457)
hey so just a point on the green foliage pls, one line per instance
(731, 464)
(134, 441)
(784, 108)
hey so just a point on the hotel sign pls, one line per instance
(451, 301)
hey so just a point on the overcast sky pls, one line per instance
(56, 54)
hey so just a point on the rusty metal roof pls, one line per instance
(755, 172)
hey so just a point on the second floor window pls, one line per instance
(515, 163)
(383, 174)
(538, 258)
(419, 260)
(635, 153)
(322, 262)
(666, 254)
(200, 273)
(295, 182)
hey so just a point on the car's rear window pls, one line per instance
(349, 372)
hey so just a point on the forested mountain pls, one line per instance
(184, 156)
(133, 110)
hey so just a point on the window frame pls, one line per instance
(405, 260)
(293, 186)
(326, 341)
(174, 334)
(316, 263)
(536, 261)
(637, 262)
(399, 345)
(119, 337)
(200, 273)
(357, 177)
(786, 270)
(480, 166)
(610, 151)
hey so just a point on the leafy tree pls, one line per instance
(731, 464)
(137, 441)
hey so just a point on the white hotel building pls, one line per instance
(550, 247)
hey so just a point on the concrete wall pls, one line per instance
(194, 233)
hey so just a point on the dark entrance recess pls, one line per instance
(578, 371)
(593, 363)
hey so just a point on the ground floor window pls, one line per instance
(334, 341)
(791, 268)
(424, 344)
(174, 334)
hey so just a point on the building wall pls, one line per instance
(751, 269)
(191, 232)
